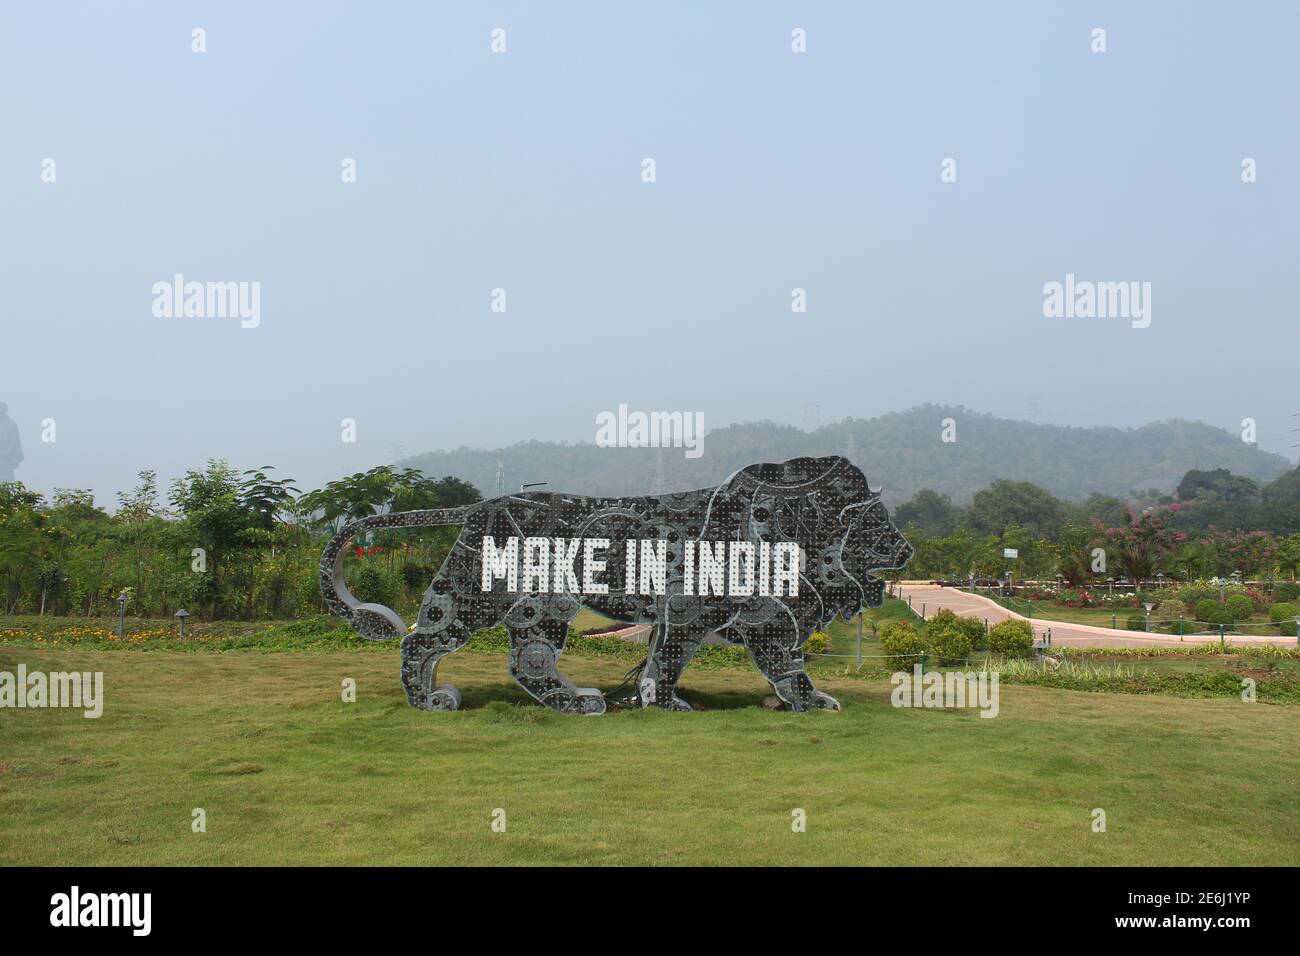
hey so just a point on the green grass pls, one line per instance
(287, 773)
(1258, 625)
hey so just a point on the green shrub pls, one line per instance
(974, 630)
(1170, 609)
(1239, 607)
(1286, 591)
(971, 627)
(416, 577)
(1220, 616)
(1137, 621)
(1282, 613)
(941, 618)
(1207, 608)
(901, 644)
(1011, 638)
(949, 644)
(818, 643)
(372, 583)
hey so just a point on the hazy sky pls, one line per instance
(522, 170)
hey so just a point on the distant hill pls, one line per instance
(901, 451)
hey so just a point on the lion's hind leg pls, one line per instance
(534, 651)
(779, 657)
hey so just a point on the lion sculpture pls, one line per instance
(762, 560)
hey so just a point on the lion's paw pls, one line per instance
(825, 702)
(442, 698)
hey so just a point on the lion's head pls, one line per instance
(826, 505)
(872, 543)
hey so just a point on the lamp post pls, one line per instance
(1148, 607)
(181, 615)
(1110, 585)
(121, 616)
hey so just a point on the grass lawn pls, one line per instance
(844, 634)
(287, 773)
(1258, 625)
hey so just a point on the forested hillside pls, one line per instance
(903, 451)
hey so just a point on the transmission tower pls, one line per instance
(811, 416)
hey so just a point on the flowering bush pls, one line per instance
(1078, 598)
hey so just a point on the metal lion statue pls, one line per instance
(763, 560)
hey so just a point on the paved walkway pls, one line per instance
(932, 598)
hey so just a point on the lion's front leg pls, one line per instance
(777, 654)
(671, 649)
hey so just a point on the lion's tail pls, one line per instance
(372, 621)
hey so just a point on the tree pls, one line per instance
(141, 503)
(213, 509)
(22, 541)
(1249, 552)
(1219, 484)
(266, 497)
(930, 511)
(1104, 508)
(1075, 564)
(381, 490)
(455, 493)
(1005, 504)
(1279, 511)
(1137, 544)
(1288, 555)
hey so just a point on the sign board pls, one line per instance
(1010, 553)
